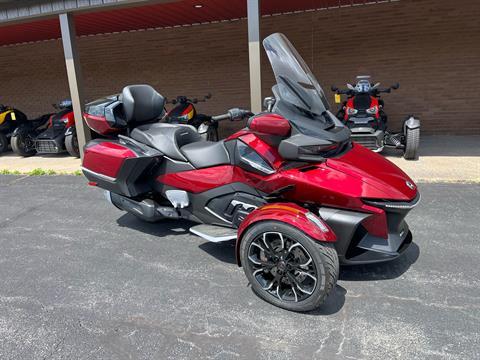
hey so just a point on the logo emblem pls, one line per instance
(410, 185)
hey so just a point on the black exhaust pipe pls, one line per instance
(146, 209)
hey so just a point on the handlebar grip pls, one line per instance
(233, 114)
(385, 90)
(221, 117)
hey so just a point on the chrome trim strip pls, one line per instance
(211, 238)
(396, 205)
(216, 215)
(176, 161)
(101, 176)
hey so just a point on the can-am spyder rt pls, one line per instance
(55, 136)
(184, 112)
(363, 112)
(291, 188)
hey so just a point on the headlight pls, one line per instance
(351, 111)
(372, 110)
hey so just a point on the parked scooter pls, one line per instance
(55, 135)
(9, 119)
(363, 113)
(184, 112)
(292, 189)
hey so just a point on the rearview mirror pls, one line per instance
(395, 86)
(334, 88)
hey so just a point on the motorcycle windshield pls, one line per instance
(296, 84)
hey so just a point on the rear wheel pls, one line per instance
(71, 144)
(412, 143)
(23, 144)
(286, 267)
(3, 142)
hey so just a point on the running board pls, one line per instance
(214, 233)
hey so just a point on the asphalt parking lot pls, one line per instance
(82, 280)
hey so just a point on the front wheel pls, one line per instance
(412, 143)
(3, 142)
(286, 267)
(71, 144)
(23, 144)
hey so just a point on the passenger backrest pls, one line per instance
(142, 103)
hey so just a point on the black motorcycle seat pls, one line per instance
(167, 138)
(203, 154)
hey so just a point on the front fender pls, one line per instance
(70, 131)
(291, 214)
(411, 123)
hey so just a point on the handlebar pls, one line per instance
(184, 99)
(234, 114)
(374, 91)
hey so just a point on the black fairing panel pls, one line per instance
(362, 101)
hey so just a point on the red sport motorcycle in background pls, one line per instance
(48, 135)
(291, 189)
(363, 113)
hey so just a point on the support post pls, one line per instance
(253, 16)
(74, 74)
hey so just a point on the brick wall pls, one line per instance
(431, 47)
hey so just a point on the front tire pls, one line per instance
(71, 144)
(412, 143)
(286, 267)
(3, 142)
(23, 145)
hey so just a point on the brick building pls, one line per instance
(432, 47)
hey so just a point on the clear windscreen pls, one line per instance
(296, 84)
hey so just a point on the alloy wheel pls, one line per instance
(282, 267)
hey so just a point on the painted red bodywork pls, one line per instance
(68, 116)
(196, 181)
(340, 182)
(373, 102)
(99, 124)
(70, 119)
(106, 157)
(289, 213)
(270, 124)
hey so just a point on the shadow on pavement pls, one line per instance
(161, 228)
(224, 251)
(382, 271)
(333, 304)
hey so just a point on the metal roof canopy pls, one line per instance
(90, 20)
(71, 22)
